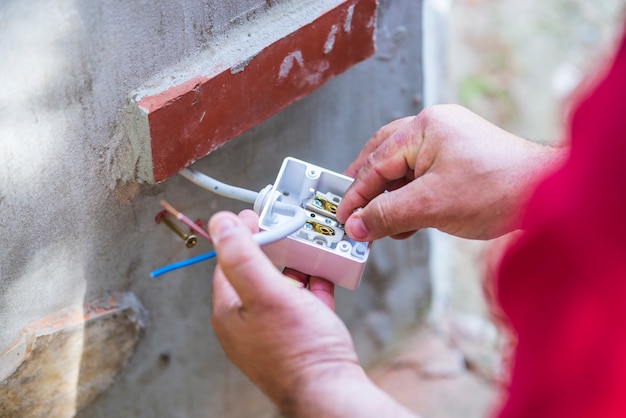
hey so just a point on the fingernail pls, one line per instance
(357, 228)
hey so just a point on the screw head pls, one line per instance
(191, 241)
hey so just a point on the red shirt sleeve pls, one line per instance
(563, 284)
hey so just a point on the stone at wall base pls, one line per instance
(69, 358)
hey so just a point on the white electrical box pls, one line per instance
(321, 247)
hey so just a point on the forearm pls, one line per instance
(553, 158)
(341, 393)
(540, 161)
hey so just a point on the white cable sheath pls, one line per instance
(218, 187)
(297, 215)
(297, 218)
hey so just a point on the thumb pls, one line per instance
(394, 213)
(249, 271)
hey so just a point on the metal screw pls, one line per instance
(190, 239)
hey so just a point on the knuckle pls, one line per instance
(235, 255)
(370, 161)
(374, 165)
(245, 259)
(437, 114)
(386, 218)
(380, 221)
(430, 115)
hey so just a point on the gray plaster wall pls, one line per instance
(71, 231)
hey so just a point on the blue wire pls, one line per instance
(182, 263)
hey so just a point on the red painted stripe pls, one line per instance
(190, 120)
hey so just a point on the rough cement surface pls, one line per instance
(232, 48)
(244, 77)
(244, 38)
(71, 359)
(71, 232)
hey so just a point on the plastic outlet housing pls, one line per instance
(320, 248)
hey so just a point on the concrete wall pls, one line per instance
(72, 233)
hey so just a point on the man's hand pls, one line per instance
(278, 334)
(445, 168)
(284, 337)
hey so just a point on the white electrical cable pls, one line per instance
(218, 187)
(297, 219)
(296, 215)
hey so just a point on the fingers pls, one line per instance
(392, 160)
(323, 290)
(250, 273)
(223, 296)
(245, 276)
(380, 135)
(297, 276)
(398, 214)
(250, 219)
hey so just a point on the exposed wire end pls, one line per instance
(218, 187)
(182, 263)
(297, 220)
(186, 220)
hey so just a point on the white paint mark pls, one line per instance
(330, 41)
(241, 66)
(314, 78)
(322, 66)
(287, 64)
(347, 24)
(203, 115)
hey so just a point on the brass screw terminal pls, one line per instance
(163, 217)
